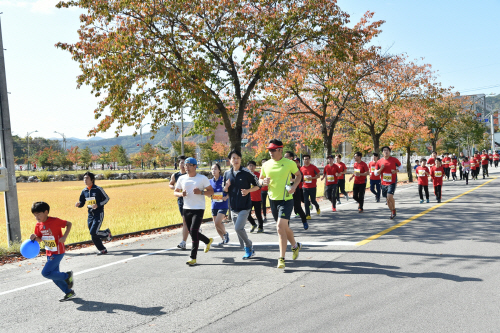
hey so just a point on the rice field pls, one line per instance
(134, 205)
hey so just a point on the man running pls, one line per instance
(446, 165)
(453, 168)
(473, 168)
(432, 160)
(461, 156)
(180, 200)
(311, 174)
(341, 178)
(256, 202)
(437, 173)
(496, 158)
(359, 188)
(239, 183)
(298, 196)
(490, 157)
(331, 174)
(275, 173)
(374, 180)
(388, 167)
(193, 187)
(484, 163)
(423, 173)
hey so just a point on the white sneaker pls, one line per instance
(182, 245)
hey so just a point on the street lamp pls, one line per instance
(28, 139)
(142, 162)
(64, 139)
(492, 130)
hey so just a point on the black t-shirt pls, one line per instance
(176, 176)
(241, 179)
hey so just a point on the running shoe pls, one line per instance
(334, 209)
(318, 211)
(421, 201)
(427, 200)
(308, 217)
(297, 215)
(69, 280)
(226, 238)
(191, 262)
(378, 199)
(207, 247)
(296, 251)
(100, 253)
(281, 263)
(249, 252)
(68, 296)
(109, 237)
(306, 225)
(338, 202)
(360, 210)
(347, 197)
(182, 245)
(265, 219)
(252, 229)
(439, 200)
(220, 244)
(260, 230)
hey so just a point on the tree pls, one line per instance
(122, 156)
(46, 157)
(148, 153)
(207, 154)
(86, 157)
(221, 149)
(215, 55)
(103, 157)
(73, 155)
(189, 148)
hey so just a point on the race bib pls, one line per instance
(308, 179)
(453, 167)
(421, 173)
(218, 197)
(473, 165)
(372, 169)
(387, 177)
(330, 178)
(50, 243)
(90, 201)
(357, 171)
(438, 174)
(483, 158)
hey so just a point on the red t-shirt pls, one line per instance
(342, 168)
(329, 172)
(390, 164)
(431, 161)
(437, 175)
(422, 176)
(360, 167)
(50, 232)
(490, 156)
(453, 166)
(372, 168)
(255, 196)
(496, 157)
(473, 164)
(446, 162)
(309, 172)
(484, 159)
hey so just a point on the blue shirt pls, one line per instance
(218, 186)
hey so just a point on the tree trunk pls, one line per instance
(376, 144)
(408, 164)
(327, 138)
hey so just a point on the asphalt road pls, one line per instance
(436, 273)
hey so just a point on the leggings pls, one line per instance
(485, 170)
(94, 223)
(375, 185)
(297, 204)
(437, 191)
(496, 164)
(310, 197)
(426, 190)
(257, 208)
(331, 194)
(460, 170)
(454, 175)
(466, 176)
(447, 172)
(358, 194)
(239, 220)
(341, 188)
(263, 197)
(193, 221)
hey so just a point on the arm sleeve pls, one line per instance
(81, 200)
(254, 180)
(294, 169)
(206, 183)
(104, 198)
(262, 172)
(316, 170)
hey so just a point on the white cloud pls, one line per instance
(44, 6)
(7, 3)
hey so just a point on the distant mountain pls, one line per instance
(163, 137)
(494, 101)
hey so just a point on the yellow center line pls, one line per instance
(414, 217)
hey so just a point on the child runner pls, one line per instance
(359, 188)
(374, 180)
(331, 172)
(453, 168)
(219, 203)
(311, 173)
(423, 181)
(473, 168)
(193, 187)
(48, 230)
(388, 167)
(496, 158)
(484, 163)
(256, 202)
(446, 165)
(180, 200)
(341, 178)
(275, 173)
(95, 198)
(437, 173)
(466, 169)
(490, 158)
(417, 164)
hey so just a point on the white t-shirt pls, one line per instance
(191, 200)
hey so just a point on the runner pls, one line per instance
(453, 168)
(180, 200)
(311, 174)
(437, 173)
(256, 202)
(359, 188)
(466, 169)
(239, 182)
(460, 159)
(473, 167)
(484, 163)
(490, 158)
(374, 180)
(423, 181)
(331, 173)
(193, 187)
(446, 165)
(477, 159)
(94, 198)
(298, 196)
(275, 173)
(388, 167)
(341, 179)
(432, 159)
(496, 158)
(219, 203)
(263, 196)
(48, 230)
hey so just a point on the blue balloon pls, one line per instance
(30, 249)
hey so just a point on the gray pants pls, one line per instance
(239, 220)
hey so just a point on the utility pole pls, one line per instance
(28, 139)
(64, 140)
(142, 161)
(7, 158)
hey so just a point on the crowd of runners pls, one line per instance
(240, 190)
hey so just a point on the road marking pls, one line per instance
(333, 243)
(414, 217)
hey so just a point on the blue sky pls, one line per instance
(458, 38)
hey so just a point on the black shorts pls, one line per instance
(388, 189)
(215, 212)
(180, 203)
(281, 209)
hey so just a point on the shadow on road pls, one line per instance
(92, 306)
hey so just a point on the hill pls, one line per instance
(494, 101)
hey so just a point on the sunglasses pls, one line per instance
(272, 150)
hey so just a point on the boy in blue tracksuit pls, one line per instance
(94, 198)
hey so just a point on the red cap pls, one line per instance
(273, 146)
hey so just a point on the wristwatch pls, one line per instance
(202, 192)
